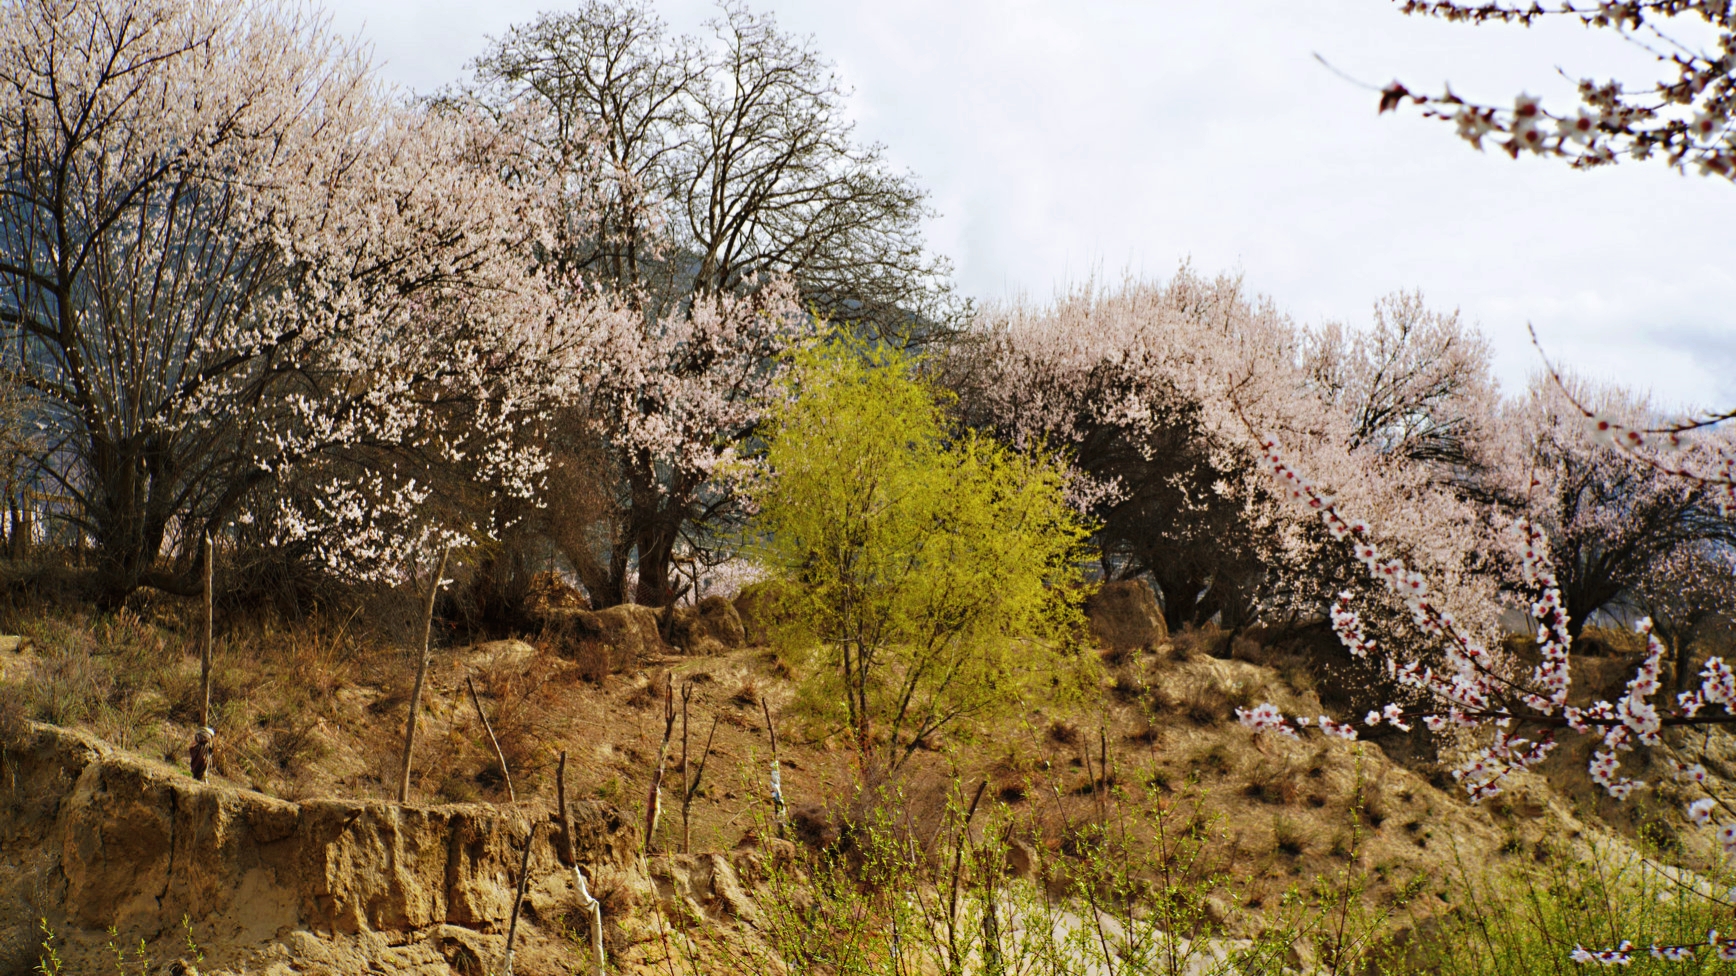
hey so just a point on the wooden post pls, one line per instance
(504, 772)
(564, 846)
(686, 773)
(421, 677)
(205, 648)
(199, 756)
(690, 784)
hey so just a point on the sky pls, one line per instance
(1064, 141)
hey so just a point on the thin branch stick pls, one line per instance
(686, 773)
(518, 900)
(953, 957)
(421, 678)
(506, 774)
(691, 790)
(771, 729)
(777, 777)
(204, 747)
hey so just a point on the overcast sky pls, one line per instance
(1070, 138)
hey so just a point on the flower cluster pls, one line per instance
(1476, 693)
(1267, 717)
(1723, 948)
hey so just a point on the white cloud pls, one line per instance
(1061, 140)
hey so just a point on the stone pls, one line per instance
(1124, 615)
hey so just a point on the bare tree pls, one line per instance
(725, 163)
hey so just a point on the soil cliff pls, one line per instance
(93, 840)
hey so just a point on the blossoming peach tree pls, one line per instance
(1134, 385)
(1682, 117)
(1518, 717)
(239, 281)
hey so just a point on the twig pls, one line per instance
(518, 900)
(421, 677)
(691, 789)
(505, 773)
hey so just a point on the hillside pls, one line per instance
(291, 858)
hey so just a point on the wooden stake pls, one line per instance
(506, 774)
(778, 807)
(518, 900)
(686, 773)
(421, 677)
(690, 787)
(565, 846)
(653, 800)
(203, 750)
(205, 648)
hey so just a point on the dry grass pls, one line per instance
(317, 707)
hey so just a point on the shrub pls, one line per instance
(930, 578)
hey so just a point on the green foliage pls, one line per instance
(926, 578)
(48, 964)
(1525, 919)
(141, 959)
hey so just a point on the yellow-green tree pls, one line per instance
(928, 578)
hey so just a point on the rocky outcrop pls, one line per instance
(1124, 615)
(603, 642)
(90, 839)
